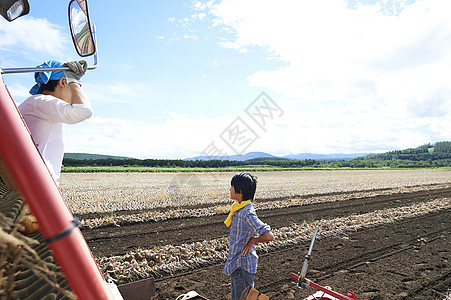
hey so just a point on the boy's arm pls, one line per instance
(264, 238)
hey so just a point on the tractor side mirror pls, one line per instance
(80, 28)
(13, 9)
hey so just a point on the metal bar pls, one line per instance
(44, 69)
(307, 257)
(313, 240)
(96, 58)
(29, 70)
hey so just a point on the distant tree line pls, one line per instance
(150, 162)
(425, 156)
(437, 155)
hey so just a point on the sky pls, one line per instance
(179, 79)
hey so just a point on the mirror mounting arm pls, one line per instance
(29, 70)
(96, 58)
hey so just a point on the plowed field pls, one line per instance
(399, 258)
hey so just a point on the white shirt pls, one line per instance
(45, 116)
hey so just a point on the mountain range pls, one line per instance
(266, 156)
(243, 157)
(92, 156)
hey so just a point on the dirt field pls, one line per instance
(399, 259)
(111, 192)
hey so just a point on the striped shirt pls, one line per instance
(245, 225)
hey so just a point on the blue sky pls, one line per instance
(179, 79)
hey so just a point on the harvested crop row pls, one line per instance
(171, 259)
(109, 192)
(156, 215)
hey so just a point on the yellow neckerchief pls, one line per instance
(235, 207)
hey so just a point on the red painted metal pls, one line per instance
(349, 295)
(329, 292)
(35, 183)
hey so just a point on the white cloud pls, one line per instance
(198, 16)
(30, 34)
(177, 137)
(373, 71)
(117, 91)
(190, 36)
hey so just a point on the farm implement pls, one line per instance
(324, 292)
(54, 262)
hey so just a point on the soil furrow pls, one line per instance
(345, 264)
(110, 241)
(434, 287)
(390, 250)
(408, 259)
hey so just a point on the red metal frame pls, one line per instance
(35, 183)
(304, 282)
(349, 295)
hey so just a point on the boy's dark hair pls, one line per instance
(49, 86)
(245, 184)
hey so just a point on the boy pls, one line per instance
(246, 230)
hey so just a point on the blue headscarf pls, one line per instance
(44, 77)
